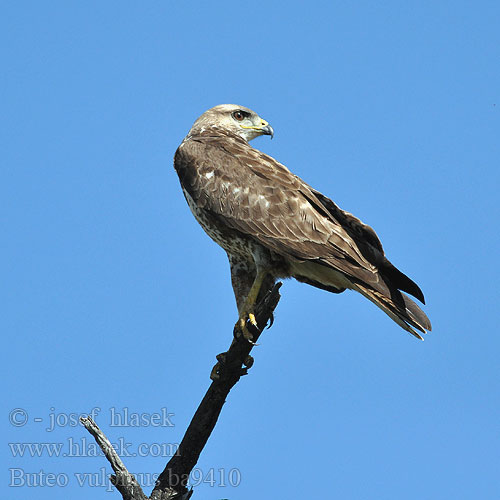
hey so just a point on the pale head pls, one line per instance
(235, 119)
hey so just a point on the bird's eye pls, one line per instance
(238, 115)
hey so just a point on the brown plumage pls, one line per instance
(270, 221)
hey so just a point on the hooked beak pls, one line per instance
(263, 129)
(266, 129)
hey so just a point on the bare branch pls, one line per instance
(125, 482)
(231, 366)
(229, 369)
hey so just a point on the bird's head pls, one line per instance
(235, 119)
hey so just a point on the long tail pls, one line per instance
(406, 315)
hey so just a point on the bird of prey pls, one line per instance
(273, 225)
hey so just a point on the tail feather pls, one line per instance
(385, 294)
(417, 314)
(400, 280)
(409, 316)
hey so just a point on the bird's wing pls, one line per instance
(256, 195)
(370, 246)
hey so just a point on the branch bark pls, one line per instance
(124, 482)
(231, 366)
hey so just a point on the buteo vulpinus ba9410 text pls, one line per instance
(273, 225)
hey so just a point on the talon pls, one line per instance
(241, 326)
(248, 361)
(248, 336)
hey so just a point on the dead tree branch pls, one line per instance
(231, 366)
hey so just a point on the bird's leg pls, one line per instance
(247, 311)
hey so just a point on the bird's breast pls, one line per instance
(230, 240)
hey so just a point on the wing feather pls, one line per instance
(254, 194)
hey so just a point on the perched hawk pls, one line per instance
(273, 225)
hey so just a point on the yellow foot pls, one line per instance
(251, 318)
(241, 325)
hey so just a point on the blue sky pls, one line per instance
(113, 297)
